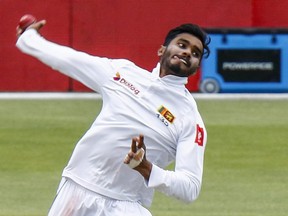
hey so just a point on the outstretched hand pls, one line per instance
(136, 157)
(37, 26)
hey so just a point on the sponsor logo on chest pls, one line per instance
(126, 84)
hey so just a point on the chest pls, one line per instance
(141, 103)
(146, 95)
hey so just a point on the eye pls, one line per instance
(182, 45)
(196, 54)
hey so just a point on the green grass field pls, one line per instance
(246, 166)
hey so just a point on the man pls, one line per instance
(107, 173)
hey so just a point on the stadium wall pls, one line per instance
(118, 29)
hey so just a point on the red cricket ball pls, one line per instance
(26, 21)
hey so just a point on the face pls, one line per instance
(182, 56)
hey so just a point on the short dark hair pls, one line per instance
(193, 30)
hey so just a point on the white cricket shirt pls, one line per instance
(135, 101)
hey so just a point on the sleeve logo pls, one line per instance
(199, 135)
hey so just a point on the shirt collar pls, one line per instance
(172, 79)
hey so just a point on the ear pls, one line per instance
(161, 50)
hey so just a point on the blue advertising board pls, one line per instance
(246, 60)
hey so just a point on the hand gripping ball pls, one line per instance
(26, 21)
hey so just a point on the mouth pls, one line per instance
(183, 59)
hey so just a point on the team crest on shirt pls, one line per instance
(166, 114)
(199, 139)
(126, 84)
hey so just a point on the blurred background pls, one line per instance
(246, 157)
(249, 40)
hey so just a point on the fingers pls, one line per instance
(37, 26)
(140, 141)
(134, 159)
(19, 31)
(134, 145)
(137, 143)
(132, 151)
(137, 151)
(128, 158)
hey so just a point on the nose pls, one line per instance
(187, 53)
(187, 50)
